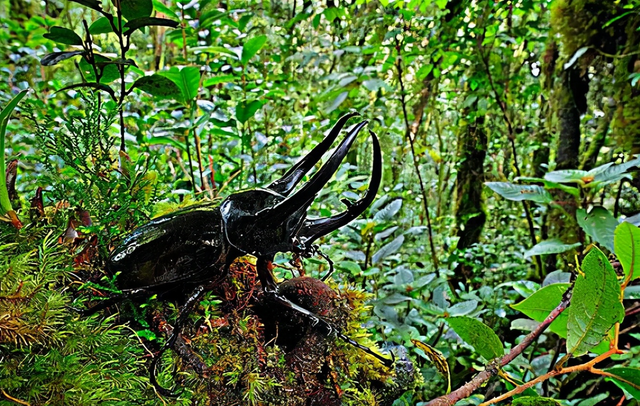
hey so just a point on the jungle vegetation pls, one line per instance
(499, 262)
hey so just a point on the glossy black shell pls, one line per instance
(186, 246)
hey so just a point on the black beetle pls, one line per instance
(191, 249)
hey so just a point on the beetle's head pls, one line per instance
(263, 222)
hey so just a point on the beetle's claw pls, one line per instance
(171, 393)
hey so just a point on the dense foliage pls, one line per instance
(510, 133)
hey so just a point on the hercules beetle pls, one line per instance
(186, 251)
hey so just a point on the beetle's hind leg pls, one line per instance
(183, 315)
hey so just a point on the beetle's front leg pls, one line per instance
(326, 328)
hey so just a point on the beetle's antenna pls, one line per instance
(329, 261)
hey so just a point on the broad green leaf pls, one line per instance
(5, 203)
(352, 267)
(56, 57)
(544, 301)
(158, 86)
(109, 71)
(63, 35)
(551, 185)
(534, 401)
(613, 173)
(462, 308)
(219, 79)
(102, 26)
(336, 102)
(518, 193)
(388, 212)
(550, 246)
(566, 176)
(132, 9)
(215, 50)
(245, 111)
(599, 224)
(164, 140)
(187, 79)
(478, 335)
(627, 248)
(161, 8)
(595, 304)
(627, 379)
(251, 48)
(138, 23)
(388, 249)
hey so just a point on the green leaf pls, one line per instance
(336, 102)
(161, 8)
(109, 71)
(245, 111)
(566, 176)
(219, 79)
(251, 48)
(550, 246)
(534, 401)
(215, 50)
(102, 26)
(478, 335)
(5, 203)
(56, 57)
(511, 191)
(138, 23)
(388, 249)
(599, 224)
(187, 79)
(132, 9)
(551, 185)
(544, 301)
(63, 35)
(609, 173)
(595, 304)
(627, 379)
(158, 86)
(626, 242)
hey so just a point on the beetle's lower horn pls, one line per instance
(314, 229)
(293, 176)
(303, 197)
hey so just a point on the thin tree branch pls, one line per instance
(492, 369)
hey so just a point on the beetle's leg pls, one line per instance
(326, 327)
(129, 294)
(265, 273)
(183, 315)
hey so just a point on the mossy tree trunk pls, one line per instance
(469, 206)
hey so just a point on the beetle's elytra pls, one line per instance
(192, 248)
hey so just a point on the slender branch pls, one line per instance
(492, 370)
(410, 138)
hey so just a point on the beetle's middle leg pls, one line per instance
(183, 314)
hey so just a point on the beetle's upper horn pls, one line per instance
(313, 229)
(303, 198)
(288, 182)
